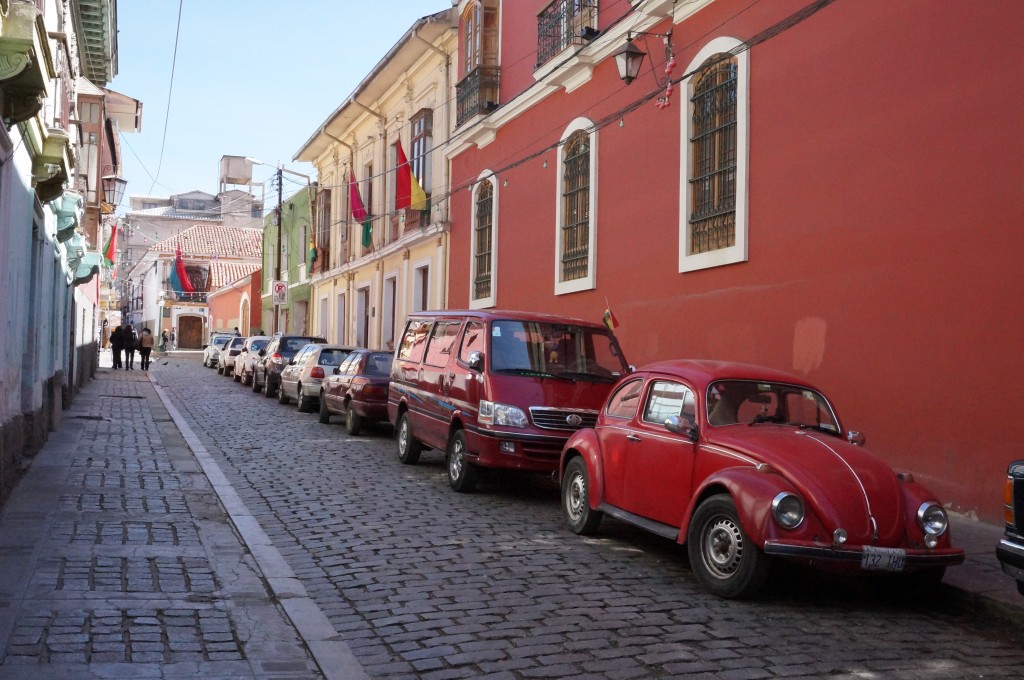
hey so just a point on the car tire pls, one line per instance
(282, 397)
(581, 518)
(220, 369)
(409, 448)
(303, 403)
(325, 415)
(353, 421)
(723, 558)
(462, 475)
(268, 391)
(255, 383)
(234, 376)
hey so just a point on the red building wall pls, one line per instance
(885, 202)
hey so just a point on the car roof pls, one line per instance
(705, 371)
(510, 315)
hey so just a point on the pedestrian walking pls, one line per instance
(146, 343)
(174, 341)
(164, 340)
(238, 333)
(131, 341)
(116, 345)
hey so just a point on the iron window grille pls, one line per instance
(484, 241)
(713, 148)
(576, 207)
(561, 24)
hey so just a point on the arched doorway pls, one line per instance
(244, 316)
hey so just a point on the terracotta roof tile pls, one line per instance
(214, 240)
(223, 273)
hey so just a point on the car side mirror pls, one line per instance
(262, 353)
(677, 425)
(337, 370)
(856, 438)
(476, 360)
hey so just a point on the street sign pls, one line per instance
(280, 290)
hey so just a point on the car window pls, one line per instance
(332, 357)
(257, 345)
(442, 339)
(472, 340)
(378, 363)
(238, 342)
(623, 403)
(666, 399)
(414, 340)
(295, 344)
(349, 364)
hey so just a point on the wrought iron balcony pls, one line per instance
(564, 23)
(477, 93)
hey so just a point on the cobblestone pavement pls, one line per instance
(116, 560)
(421, 582)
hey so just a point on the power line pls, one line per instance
(170, 90)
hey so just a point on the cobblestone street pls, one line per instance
(339, 561)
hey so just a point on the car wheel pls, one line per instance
(220, 370)
(580, 517)
(409, 448)
(234, 376)
(724, 559)
(303, 403)
(255, 383)
(268, 391)
(325, 415)
(462, 475)
(282, 398)
(353, 421)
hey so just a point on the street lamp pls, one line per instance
(113, 191)
(628, 60)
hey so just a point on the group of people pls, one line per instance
(125, 339)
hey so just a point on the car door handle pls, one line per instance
(633, 437)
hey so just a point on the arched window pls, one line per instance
(483, 290)
(577, 200)
(714, 215)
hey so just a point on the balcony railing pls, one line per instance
(477, 93)
(190, 297)
(564, 23)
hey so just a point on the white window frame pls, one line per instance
(490, 300)
(589, 281)
(738, 252)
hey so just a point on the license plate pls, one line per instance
(882, 559)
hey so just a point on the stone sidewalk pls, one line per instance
(118, 559)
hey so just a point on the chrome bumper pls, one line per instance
(914, 558)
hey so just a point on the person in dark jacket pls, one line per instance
(131, 342)
(116, 346)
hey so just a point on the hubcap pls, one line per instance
(575, 497)
(722, 547)
(403, 437)
(455, 464)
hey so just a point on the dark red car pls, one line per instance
(745, 465)
(358, 389)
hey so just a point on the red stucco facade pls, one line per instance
(885, 197)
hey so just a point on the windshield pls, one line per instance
(732, 402)
(555, 350)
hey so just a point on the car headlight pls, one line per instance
(933, 518)
(492, 413)
(788, 510)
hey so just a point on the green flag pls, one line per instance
(368, 232)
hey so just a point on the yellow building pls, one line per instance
(370, 273)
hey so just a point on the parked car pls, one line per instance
(1011, 547)
(358, 389)
(211, 353)
(274, 357)
(745, 465)
(497, 389)
(247, 358)
(300, 379)
(226, 361)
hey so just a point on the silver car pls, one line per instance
(211, 354)
(248, 357)
(300, 379)
(226, 363)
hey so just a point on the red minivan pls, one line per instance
(498, 389)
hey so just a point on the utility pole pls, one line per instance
(277, 274)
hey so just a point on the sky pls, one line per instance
(250, 78)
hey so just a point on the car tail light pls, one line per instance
(277, 358)
(1008, 500)
(317, 372)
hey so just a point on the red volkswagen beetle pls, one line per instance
(746, 464)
